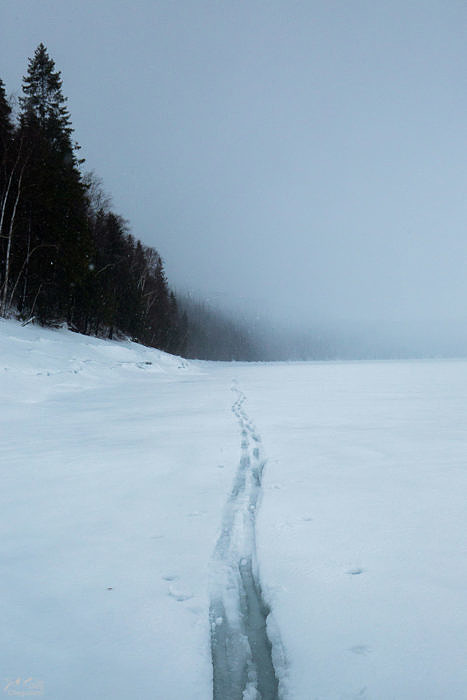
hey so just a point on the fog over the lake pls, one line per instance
(301, 162)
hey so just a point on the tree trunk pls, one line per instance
(10, 238)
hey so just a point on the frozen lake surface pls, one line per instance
(303, 525)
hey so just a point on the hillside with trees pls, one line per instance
(66, 257)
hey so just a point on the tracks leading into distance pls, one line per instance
(242, 658)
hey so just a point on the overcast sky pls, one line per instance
(307, 158)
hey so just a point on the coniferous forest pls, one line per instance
(66, 257)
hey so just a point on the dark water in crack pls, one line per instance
(243, 655)
(255, 613)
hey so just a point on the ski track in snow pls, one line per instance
(242, 660)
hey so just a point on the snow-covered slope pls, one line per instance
(146, 508)
(111, 499)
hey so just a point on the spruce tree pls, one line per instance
(43, 102)
(56, 239)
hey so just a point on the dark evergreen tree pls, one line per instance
(55, 244)
(43, 103)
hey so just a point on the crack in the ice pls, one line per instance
(242, 661)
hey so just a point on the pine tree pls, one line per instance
(56, 243)
(43, 103)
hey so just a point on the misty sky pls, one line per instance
(303, 158)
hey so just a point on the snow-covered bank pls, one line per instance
(111, 502)
(117, 462)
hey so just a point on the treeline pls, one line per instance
(215, 336)
(65, 256)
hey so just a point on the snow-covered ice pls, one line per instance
(118, 465)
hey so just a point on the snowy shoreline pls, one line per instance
(115, 476)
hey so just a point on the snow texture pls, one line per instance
(133, 547)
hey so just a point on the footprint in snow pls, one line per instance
(179, 594)
(360, 649)
(355, 572)
(170, 577)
